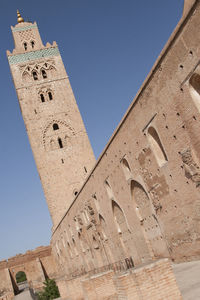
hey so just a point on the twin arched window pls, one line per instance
(32, 44)
(26, 45)
(42, 96)
(35, 75)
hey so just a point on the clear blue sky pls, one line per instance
(108, 48)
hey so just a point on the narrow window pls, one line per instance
(126, 168)
(109, 190)
(157, 146)
(194, 89)
(75, 192)
(32, 44)
(55, 126)
(44, 74)
(60, 143)
(25, 46)
(50, 95)
(35, 76)
(42, 98)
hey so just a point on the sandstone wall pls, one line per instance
(37, 265)
(6, 287)
(141, 200)
(152, 281)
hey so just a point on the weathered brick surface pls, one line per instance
(36, 264)
(6, 288)
(141, 201)
(100, 287)
(155, 281)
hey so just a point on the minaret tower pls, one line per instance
(56, 132)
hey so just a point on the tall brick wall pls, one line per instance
(141, 200)
(37, 264)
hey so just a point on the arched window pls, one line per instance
(194, 89)
(50, 95)
(96, 202)
(44, 74)
(21, 277)
(35, 76)
(69, 250)
(126, 168)
(42, 97)
(103, 227)
(60, 143)
(55, 126)
(148, 220)
(119, 217)
(25, 46)
(109, 190)
(156, 146)
(74, 246)
(95, 243)
(32, 44)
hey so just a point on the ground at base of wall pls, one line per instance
(188, 279)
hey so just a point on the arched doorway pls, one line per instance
(21, 281)
(148, 220)
(123, 231)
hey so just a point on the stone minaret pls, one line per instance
(56, 132)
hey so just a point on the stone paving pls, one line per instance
(25, 295)
(188, 279)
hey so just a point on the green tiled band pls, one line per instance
(24, 57)
(24, 28)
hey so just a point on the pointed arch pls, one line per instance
(26, 76)
(156, 146)
(126, 168)
(148, 220)
(44, 74)
(194, 89)
(119, 217)
(96, 202)
(109, 189)
(35, 75)
(103, 227)
(74, 246)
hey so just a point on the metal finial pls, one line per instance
(19, 17)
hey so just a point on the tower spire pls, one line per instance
(19, 17)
